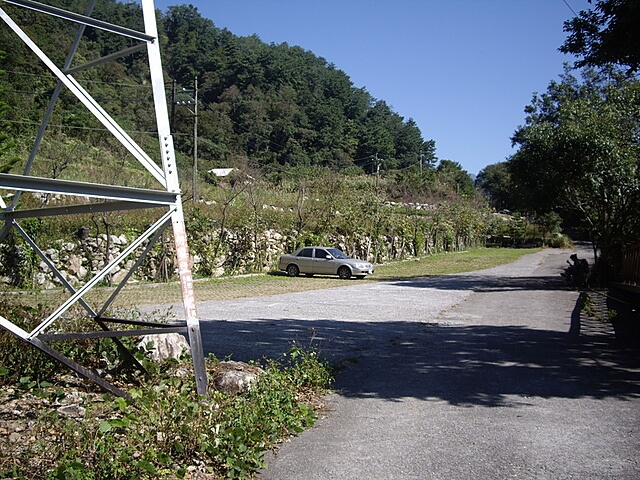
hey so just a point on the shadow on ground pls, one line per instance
(485, 283)
(459, 364)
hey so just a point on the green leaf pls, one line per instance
(104, 427)
(121, 403)
(135, 393)
(146, 466)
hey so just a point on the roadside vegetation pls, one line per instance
(63, 429)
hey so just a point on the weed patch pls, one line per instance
(63, 428)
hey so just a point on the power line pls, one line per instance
(72, 97)
(73, 127)
(570, 7)
(52, 77)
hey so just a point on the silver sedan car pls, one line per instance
(323, 261)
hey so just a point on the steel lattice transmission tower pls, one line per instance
(105, 198)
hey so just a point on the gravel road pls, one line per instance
(490, 374)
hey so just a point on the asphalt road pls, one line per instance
(487, 375)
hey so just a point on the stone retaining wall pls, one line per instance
(80, 259)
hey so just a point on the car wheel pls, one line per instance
(344, 273)
(293, 270)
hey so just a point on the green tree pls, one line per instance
(494, 181)
(191, 43)
(452, 175)
(411, 149)
(281, 104)
(579, 154)
(607, 34)
(276, 105)
(376, 138)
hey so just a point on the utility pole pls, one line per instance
(173, 106)
(192, 96)
(377, 172)
(195, 141)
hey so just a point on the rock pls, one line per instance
(119, 276)
(73, 280)
(234, 377)
(44, 281)
(73, 411)
(218, 272)
(74, 264)
(82, 272)
(170, 345)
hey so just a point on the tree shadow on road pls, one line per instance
(485, 283)
(460, 364)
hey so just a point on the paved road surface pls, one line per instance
(487, 375)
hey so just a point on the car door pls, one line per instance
(304, 260)
(323, 262)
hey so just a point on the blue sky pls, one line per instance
(462, 69)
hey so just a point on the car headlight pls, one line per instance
(363, 266)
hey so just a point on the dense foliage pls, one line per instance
(579, 151)
(5, 140)
(579, 154)
(494, 181)
(607, 34)
(280, 104)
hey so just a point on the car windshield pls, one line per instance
(337, 253)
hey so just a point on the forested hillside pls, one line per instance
(267, 104)
(281, 104)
